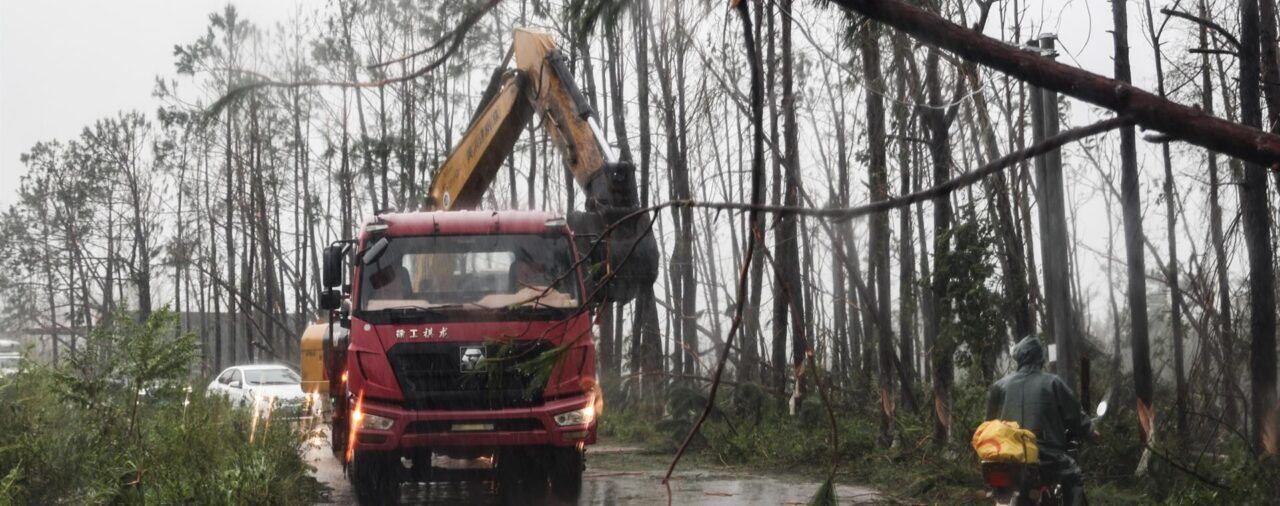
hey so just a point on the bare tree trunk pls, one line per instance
(1111, 291)
(1171, 271)
(788, 251)
(228, 219)
(646, 336)
(211, 269)
(879, 184)
(1133, 236)
(927, 303)
(50, 291)
(844, 309)
(1270, 55)
(906, 248)
(940, 156)
(1226, 329)
(1257, 236)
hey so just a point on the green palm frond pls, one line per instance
(826, 495)
(585, 15)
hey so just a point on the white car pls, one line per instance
(264, 387)
(9, 363)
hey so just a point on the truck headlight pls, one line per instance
(375, 422)
(581, 416)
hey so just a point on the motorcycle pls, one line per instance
(1018, 484)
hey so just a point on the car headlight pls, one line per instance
(375, 422)
(581, 416)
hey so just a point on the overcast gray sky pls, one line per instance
(66, 63)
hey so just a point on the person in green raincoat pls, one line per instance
(1044, 404)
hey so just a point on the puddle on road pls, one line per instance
(631, 488)
(616, 476)
(637, 490)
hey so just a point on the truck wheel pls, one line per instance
(338, 440)
(421, 471)
(374, 478)
(565, 471)
(521, 477)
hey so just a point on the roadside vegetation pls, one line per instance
(122, 421)
(752, 430)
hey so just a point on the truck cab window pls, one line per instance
(493, 272)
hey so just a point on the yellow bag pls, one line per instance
(1005, 441)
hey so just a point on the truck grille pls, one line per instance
(431, 376)
(500, 425)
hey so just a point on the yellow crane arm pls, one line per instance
(540, 82)
(471, 167)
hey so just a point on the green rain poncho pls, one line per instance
(1038, 401)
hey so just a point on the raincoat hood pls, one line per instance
(1029, 353)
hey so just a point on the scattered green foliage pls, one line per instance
(750, 427)
(9, 486)
(118, 422)
(973, 325)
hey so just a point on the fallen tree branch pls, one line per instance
(458, 36)
(927, 194)
(1152, 112)
(1200, 50)
(455, 36)
(1217, 28)
(1189, 472)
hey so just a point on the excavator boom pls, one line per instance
(467, 173)
(541, 83)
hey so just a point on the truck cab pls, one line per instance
(469, 337)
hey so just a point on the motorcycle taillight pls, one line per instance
(999, 479)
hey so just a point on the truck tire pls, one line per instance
(338, 440)
(374, 478)
(521, 477)
(565, 468)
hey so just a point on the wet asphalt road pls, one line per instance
(615, 475)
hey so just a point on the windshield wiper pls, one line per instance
(454, 306)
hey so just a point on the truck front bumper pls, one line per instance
(478, 428)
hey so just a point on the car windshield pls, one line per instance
(271, 377)
(495, 272)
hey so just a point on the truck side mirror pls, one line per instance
(332, 275)
(330, 299)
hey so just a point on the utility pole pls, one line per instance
(1053, 224)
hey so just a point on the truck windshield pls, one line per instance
(461, 272)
